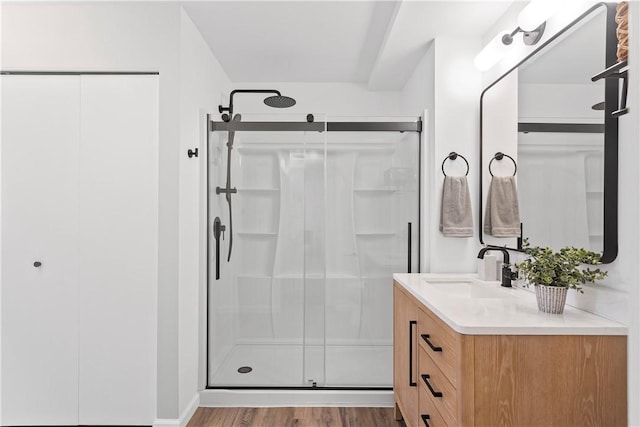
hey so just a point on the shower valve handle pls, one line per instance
(218, 228)
(229, 190)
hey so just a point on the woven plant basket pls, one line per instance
(551, 299)
(622, 31)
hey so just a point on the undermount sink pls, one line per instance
(466, 289)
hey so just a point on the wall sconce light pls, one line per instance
(492, 52)
(528, 37)
(531, 23)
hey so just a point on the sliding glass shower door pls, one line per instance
(320, 221)
(372, 217)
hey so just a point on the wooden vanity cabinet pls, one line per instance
(503, 380)
(405, 363)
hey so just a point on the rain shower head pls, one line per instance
(279, 101)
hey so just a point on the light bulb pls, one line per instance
(535, 13)
(491, 53)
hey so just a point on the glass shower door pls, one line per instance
(321, 221)
(372, 218)
(263, 322)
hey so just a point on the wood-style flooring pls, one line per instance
(285, 417)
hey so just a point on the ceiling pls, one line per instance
(378, 43)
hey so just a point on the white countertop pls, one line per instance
(473, 307)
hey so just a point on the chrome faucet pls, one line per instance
(507, 274)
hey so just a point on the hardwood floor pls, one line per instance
(285, 417)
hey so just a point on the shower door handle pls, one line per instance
(218, 228)
(409, 248)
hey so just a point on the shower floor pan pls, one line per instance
(283, 366)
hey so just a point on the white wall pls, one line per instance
(202, 82)
(141, 37)
(417, 93)
(335, 99)
(457, 93)
(417, 96)
(559, 102)
(447, 85)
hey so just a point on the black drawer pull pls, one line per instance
(425, 420)
(426, 339)
(425, 378)
(412, 323)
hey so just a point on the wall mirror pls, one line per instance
(555, 123)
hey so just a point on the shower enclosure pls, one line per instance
(325, 211)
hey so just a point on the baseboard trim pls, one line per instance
(283, 398)
(185, 417)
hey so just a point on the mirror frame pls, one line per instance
(611, 90)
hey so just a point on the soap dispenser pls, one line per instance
(487, 268)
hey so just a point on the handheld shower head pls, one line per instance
(279, 101)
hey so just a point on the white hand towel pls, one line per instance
(502, 214)
(456, 219)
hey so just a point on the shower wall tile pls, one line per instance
(258, 169)
(374, 212)
(343, 300)
(377, 314)
(258, 211)
(254, 309)
(256, 254)
(314, 311)
(288, 310)
(369, 172)
(382, 254)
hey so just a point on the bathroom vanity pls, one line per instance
(472, 353)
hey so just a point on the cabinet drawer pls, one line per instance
(428, 408)
(444, 393)
(439, 341)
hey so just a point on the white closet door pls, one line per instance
(119, 260)
(39, 347)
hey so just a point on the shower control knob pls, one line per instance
(37, 264)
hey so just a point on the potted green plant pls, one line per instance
(553, 273)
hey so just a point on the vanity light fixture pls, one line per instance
(492, 52)
(536, 14)
(531, 23)
(528, 37)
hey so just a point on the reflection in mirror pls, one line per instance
(561, 174)
(545, 114)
